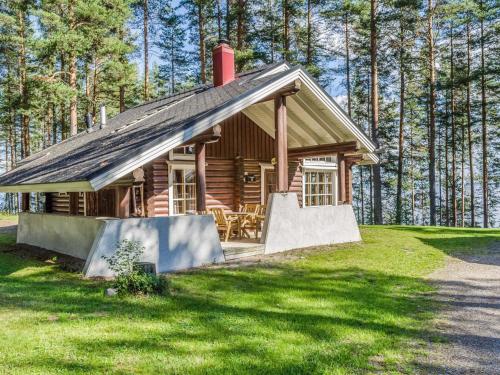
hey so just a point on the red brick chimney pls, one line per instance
(223, 63)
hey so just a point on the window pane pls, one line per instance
(189, 176)
(318, 188)
(184, 191)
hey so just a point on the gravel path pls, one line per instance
(469, 287)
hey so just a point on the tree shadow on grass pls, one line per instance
(475, 245)
(273, 319)
(481, 250)
(446, 230)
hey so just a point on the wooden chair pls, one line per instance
(250, 208)
(261, 216)
(250, 221)
(225, 225)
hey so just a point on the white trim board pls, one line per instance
(57, 187)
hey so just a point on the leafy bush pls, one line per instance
(126, 256)
(138, 282)
(129, 278)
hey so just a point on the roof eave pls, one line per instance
(55, 187)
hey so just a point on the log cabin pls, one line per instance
(271, 136)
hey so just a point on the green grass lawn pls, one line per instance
(5, 216)
(348, 309)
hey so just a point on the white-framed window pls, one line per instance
(319, 187)
(182, 188)
(182, 153)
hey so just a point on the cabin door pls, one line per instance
(269, 185)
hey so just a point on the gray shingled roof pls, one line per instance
(88, 154)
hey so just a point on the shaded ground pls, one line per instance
(469, 288)
(8, 226)
(64, 262)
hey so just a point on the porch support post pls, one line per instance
(73, 203)
(25, 202)
(123, 206)
(48, 202)
(201, 183)
(281, 144)
(341, 177)
(348, 182)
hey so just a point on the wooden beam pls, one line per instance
(323, 150)
(204, 138)
(73, 203)
(123, 201)
(288, 90)
(281, 144)
(25, 202)
(201, 182)
(341, 178)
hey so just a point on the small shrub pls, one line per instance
(138, 282)
(127, 254)
(129, 279)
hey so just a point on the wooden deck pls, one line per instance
(237, 249)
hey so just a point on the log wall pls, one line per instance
(156, 188)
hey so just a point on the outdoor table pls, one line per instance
(239, 217)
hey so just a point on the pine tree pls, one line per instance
(171, 46)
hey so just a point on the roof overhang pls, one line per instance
(56, 187)
(328, 117)
(288, 76)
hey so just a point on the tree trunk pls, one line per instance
(412, 179)
(286, 30)
(240, 25)
(50, 122)
(54, 126)
(399, 189)
(145, 11)
(484, 128)
(362, 195)
(23, 87)
(228, 20)
(201, 46)
(469, 134)
(446, 171)
(432, 121)
(309, 36)
(377, 183)
(273, 43)
(453, 137)
(219, 20)
(462, 176)
(73, 116)
(347, 64)
(440, 177)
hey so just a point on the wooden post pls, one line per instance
(348, 182)
(25, 202)
(341, 177)
(48, 202)
(280, 144)
(123, 206)
(201, 187)
(73, 203)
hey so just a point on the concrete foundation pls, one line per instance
(288, 226)
(70, 235)
(172, 243)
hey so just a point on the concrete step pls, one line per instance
(232, 254)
